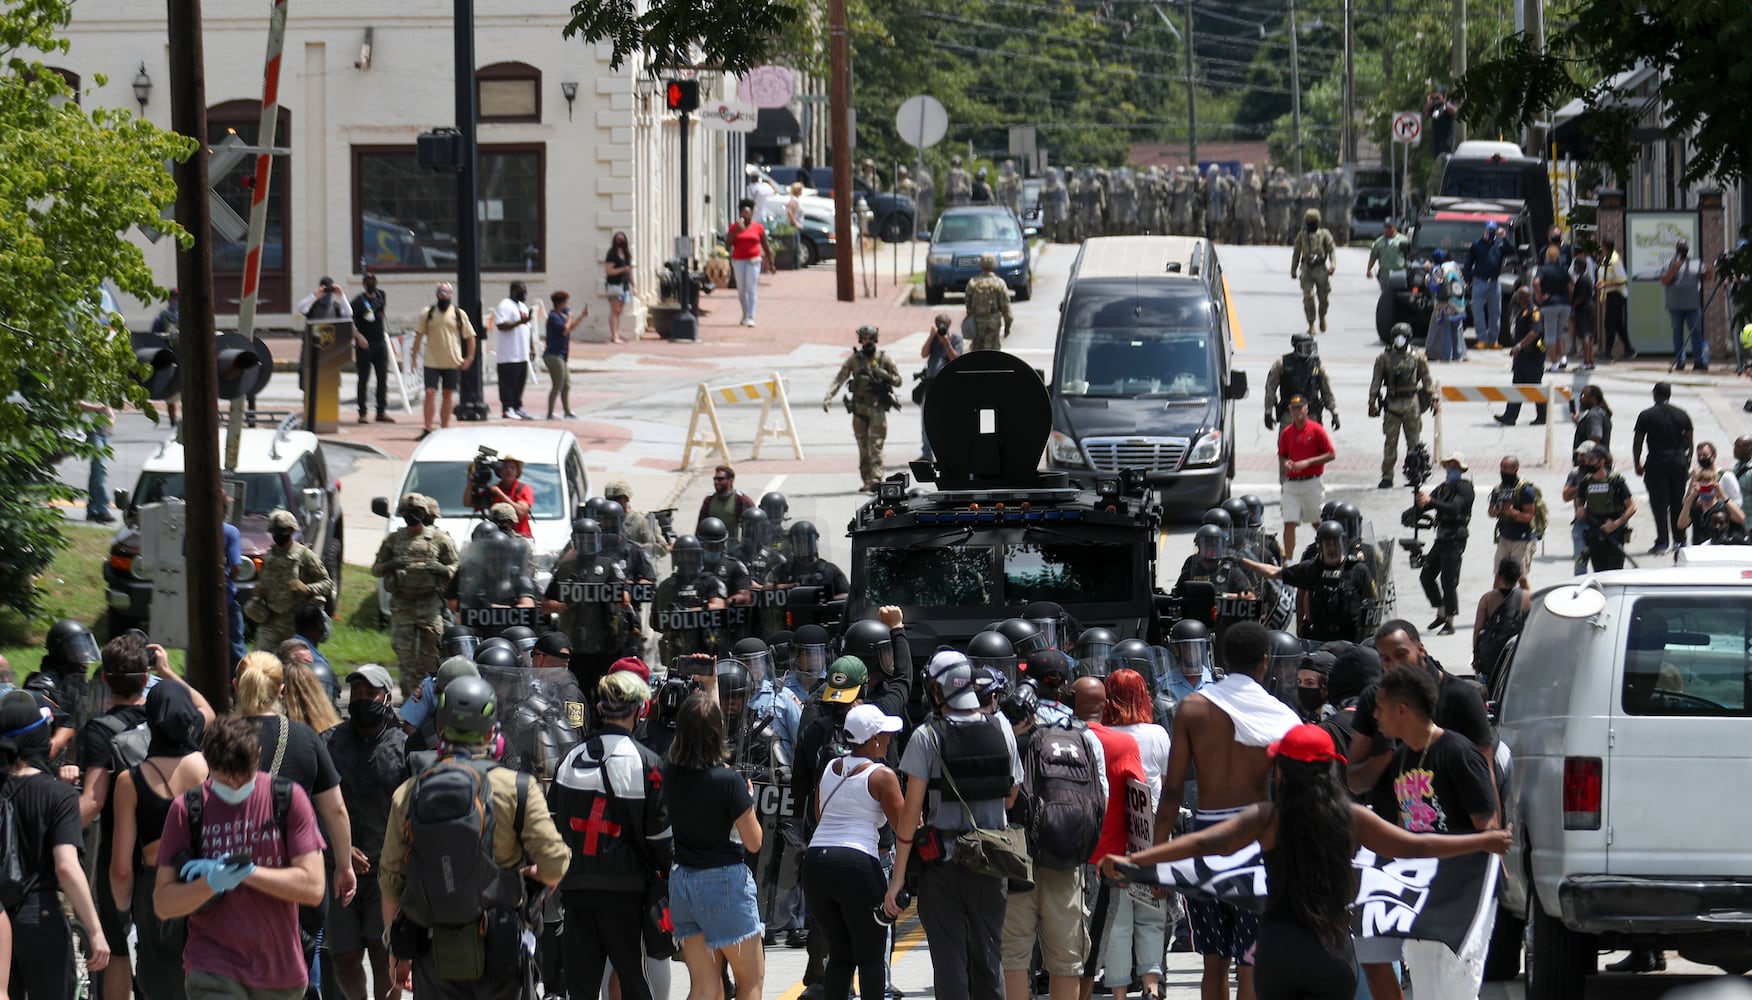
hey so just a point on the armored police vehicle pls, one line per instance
(997, 534)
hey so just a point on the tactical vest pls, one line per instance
(812, 574)
(1598, 497)
(978, 758)
(1401, 372)
(1333, 602)
(1301, 377)
(592, 616)
(982, 296)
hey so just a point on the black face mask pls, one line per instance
(1510, 479)
(282, 537)
(413, 519)
(869, 350)
(1706, 462)
(1311, 225)
(443, 304)
(370, 714)
(1311, 699)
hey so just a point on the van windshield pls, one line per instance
(1136, 361)
(1483, 183)
(1453, 235)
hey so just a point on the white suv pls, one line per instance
(1628, 706)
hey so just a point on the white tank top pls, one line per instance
(851, 817)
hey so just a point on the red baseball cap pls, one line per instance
(632, 665)
(1307, 743)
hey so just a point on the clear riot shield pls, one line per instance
(1377, 557)
(1277, 605)
(811, 661)
(1280, 679)
(1153, 662)
(511, 687)
(494, 577)
(736, 692)
(541, 728)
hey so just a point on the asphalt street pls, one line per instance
(635, 406)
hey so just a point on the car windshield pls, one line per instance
(929, 576)
(1481, 184)
(263, 492)
(1067, 573)
(1688, 656)
(1453, 235)
(977, 227)
(445, 482)
(1136, 361)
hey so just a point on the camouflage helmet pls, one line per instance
(900, 171)
(955, 161)
(1311, 215)
(617, 488)
(1246, 168)
(419, 503)
(282, 520)
(868, 332)
(502, 514)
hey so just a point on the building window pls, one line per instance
(405, 214)
(508, 92)
(243, 119)
(72, 80)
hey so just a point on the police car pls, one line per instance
(277, 469)
(553, 467)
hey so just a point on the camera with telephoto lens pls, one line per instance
(483, 471)
(1021, 701)
(1417, 470)
(666, 523)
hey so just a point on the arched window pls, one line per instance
(243, 118)
(72, 80)
(508, 92)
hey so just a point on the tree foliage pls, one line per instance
(734, 35)
(72, 183)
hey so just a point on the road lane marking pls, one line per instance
(912, 938)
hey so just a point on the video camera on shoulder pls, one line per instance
(1417, 467)
(485, 469)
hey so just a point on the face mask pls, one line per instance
(1311, 699)
(414, 520)
(1311, 225)
(443, 303)
(1454, 475)
(1510, 479)
(370, 714)
(233, 796)
(1706, 462)
(1400, 343)
(282, 537)
(869, 350)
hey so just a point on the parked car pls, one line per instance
(1627, 708)
(1452, 229)
(962, 236)
(277, 469)
(553, 466)
(890, 214)
(819, 240)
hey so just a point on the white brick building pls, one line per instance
(558, 177)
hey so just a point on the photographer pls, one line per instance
(942, 345)
(1451, 505)
(1684, 278)
(873, 377)
(1703, 498)
(483, 492)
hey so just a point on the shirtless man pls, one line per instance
(1222, 732)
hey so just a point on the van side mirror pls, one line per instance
(1237, 386)
(380, 506)
(124, 499)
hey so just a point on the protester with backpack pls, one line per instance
(47, 819)
(1135, 928)
(842, 874)
(462, 839)
(1502, 612)
(176, 716)
(240, 853)
(370, 754)
(608, 804)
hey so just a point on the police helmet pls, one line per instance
(804, 541)
(1048, 617)
(325, 676)
(611, 517)
(780, 645)
(992, 649)
(714, 536)
(494, 641)
(457, 641)
(1094, 644)
(72, 643)
(1211, 543)
(1189, 643)
(1255, 510)
(1348, 515)
(689, 556)
(587, 536)
(592, 507)
(754, 654)
(1023, 636)
(1135, 654)
(813, 648)
(467, 707)
(1302, 344)
(521, 636)
(1330, 531)
(752, 527)
(1285, 661)
(1329, 510)
(776, 507)
(732, 679)
(871, 641)
(1220, 517)
(498, 659)
(1239, 518)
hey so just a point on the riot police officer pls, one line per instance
(874, 379)
(1093, 651)
(778, 511)
(620, 545)
(753, 548)
(591, 594)
(991, 650)
(714, 536)
(1189, 659)
(681, 598)
(806, 567)
(1299, 373)
(1232, 587)
(496, 570)
(1400, 390)
(457, 640)
(1338, 586)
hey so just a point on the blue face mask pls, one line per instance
(1454, 475)
(233, 796)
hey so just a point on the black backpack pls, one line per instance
(1499, 627)
(453, 879)
(127, 745)
(1062, 802)
(15, 883)
(195, 805)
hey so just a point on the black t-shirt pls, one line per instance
(95, 751)
(1522, 494)
(1667, 429)
(307, 763)
(48, 816)
(372, 302)
(1554, 281)
(1441, 787)
(618, 259)
(703, 809)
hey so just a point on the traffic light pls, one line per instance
(242, 370)
(152, 353)
(682, 95)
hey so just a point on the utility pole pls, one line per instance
(208, 651)
(468, 197)
(1458, 67)
(1191, 95)
(1347, 143)
(840, 103)
(1533, 136)
(1295, 88)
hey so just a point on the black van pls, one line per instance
(1143, 374)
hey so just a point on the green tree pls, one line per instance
(72, 183)
(735, 35)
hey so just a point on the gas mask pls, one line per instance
(868, 350)
(282, 538)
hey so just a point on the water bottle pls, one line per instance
(903, 900)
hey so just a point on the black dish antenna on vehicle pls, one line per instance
(988, 416)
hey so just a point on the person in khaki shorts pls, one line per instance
(1513, 502)
(1304, 448)
(449, 339)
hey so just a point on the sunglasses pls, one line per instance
(722, 479)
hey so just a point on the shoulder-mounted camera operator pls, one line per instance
(495, 478)
(1450, 504)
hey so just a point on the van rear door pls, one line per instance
(1680, 753)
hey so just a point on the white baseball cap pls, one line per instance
(864, 721)
(952, 671)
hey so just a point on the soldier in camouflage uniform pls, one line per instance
(1073, 206)
(1180, 202)
(1280, 196)
(958, 186)
(988, 305)
(636, 526)
(926, 199)
(1122, 204)
(1249, 218)
(1091, 204)
(1308, 195)
(1314, 257)
(1339, 200)
(1010, 188)
(1195, 189)
(292, 575)
(1397, 392)
(415, 564)
(874, 379)
(907, 188)
(1219, 205)
(1054, 202)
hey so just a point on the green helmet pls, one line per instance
(467, 709)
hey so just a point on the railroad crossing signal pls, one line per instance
(1407, 127)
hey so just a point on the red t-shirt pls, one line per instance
(1304, 443)
(745, 241)
(521, 492)
(1123, 763)
(247, 936)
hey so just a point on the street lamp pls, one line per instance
(142, 88)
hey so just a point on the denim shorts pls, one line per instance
(716, 902)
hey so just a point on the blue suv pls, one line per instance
(962, 236)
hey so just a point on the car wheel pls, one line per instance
(810, 253)
(893, 228)
(1503, 961)
(933, 296)
(1558, 959)
(1384, 317)
(1026, 292)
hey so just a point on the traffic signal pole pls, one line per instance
(473, 404)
